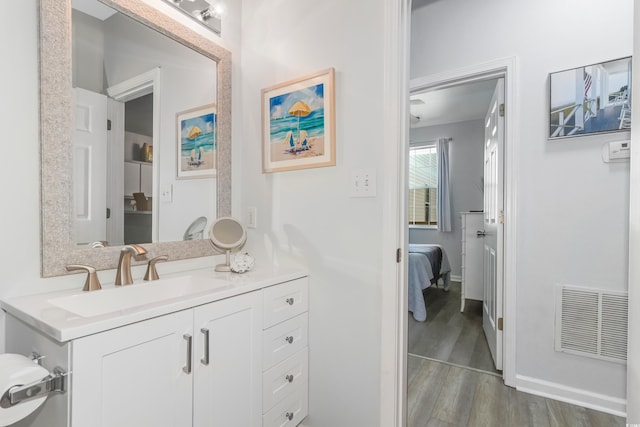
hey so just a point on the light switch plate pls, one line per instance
(363, 183)
(252, 217)
(166, 193)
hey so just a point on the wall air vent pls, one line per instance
(591, 322)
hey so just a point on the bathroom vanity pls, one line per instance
(200, 349)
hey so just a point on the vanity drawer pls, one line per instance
(283, 340)
(290, 411)
(285, 301)
(285, 378)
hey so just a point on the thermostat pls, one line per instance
(617, 150)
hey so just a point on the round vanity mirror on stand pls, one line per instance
(227, 234)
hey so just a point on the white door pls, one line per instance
(227, 361)
(139, 375)
(493, 224)
(115, 173)
(89, 166)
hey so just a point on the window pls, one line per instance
(423, 184)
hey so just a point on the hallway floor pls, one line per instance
(443, 395)
(449, 335)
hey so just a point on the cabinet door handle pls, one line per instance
(187, 367)
(205, 359)
(289, 415)
(289, 378)
(289, 339)
(289, 301)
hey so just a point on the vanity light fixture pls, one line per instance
(206, 12)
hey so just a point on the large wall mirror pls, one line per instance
(135, 133)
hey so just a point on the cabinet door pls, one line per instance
(146, 179)
(133, 376)
(131, 178)
(227, 381)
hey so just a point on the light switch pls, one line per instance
(166, 193)
(363, 183)
(252, 217)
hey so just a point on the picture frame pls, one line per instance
(196, 142)
(298, 123)
(592, 99)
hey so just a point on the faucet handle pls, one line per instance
(152, 273)
(92, 283)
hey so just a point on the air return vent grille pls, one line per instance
(592, 323)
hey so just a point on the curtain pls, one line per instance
(444, 198)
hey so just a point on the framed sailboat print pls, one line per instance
(196, 142)
(298, 123)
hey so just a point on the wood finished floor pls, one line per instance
(443, 395)
(461, 387)
(449, 335)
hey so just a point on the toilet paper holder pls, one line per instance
(56, 381)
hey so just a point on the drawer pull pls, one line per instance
(289, 339)
(205, 358)
(289, 415)
(289, 378)
(187, 368)
(290, 301)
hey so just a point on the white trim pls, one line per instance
(633, 347)
(507, 68)
(572, 395)
(455, 278)
(133, 88)
(394, 316)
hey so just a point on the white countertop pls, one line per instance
(204, 286)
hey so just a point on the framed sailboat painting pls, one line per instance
(196, 142)
(298, 123)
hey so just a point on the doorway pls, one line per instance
(483, 72)
(459, 327)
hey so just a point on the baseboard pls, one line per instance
(455, 278)
(575, 396)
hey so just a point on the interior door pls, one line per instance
(89, 166)
(493, 223)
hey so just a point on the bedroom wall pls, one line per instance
(466, 157)
(572, 209)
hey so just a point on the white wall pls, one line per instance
(308, 214)
(465, 173)
(572, 208)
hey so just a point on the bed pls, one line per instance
(427, 264)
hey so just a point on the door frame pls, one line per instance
(507, 69)
(133, 88)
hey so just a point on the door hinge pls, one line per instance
(398, 255)
(108, 213)
(108, 124)
(500, 323)
(501, 110)
(501, 217)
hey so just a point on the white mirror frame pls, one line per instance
(58, 249)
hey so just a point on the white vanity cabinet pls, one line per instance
(202, 363)
(234, 359)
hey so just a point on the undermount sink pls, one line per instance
(96, 303)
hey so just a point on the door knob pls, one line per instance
(480, 233)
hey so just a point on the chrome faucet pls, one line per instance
(123, 276)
